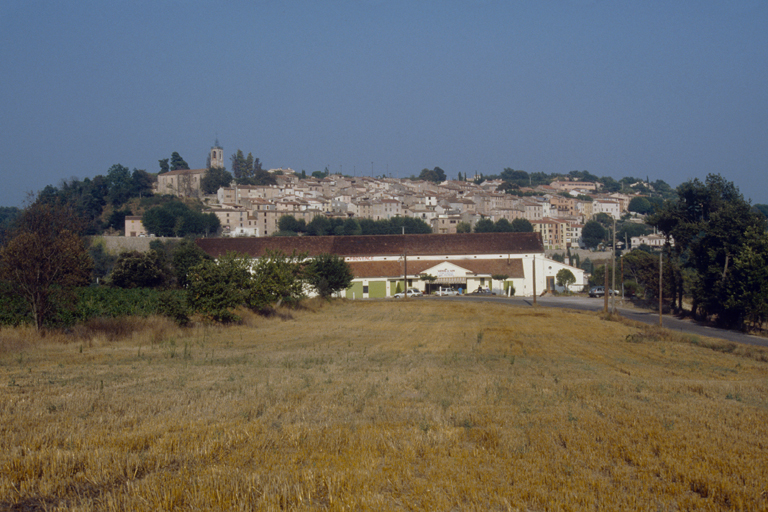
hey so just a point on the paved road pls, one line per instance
(648, 317)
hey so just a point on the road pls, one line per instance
(640, 315)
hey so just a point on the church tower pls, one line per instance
(216, 157)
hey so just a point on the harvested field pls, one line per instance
(383, 405)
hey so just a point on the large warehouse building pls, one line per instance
(380, 263)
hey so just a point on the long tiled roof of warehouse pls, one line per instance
(380, 245)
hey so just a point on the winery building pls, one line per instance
(380, 263)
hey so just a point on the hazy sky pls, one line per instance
(668, 90)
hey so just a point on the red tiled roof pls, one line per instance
(380, 245)
(370, 269)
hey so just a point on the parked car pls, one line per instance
(411, 292)
(446, 292)
(599, 291)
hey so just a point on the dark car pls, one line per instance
(481, 291)
(599, 291)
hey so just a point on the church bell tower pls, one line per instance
(216, 157)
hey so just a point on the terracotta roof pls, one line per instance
(369, 269)
(183, 171)
(380, 245)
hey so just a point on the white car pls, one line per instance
(411, 292)
(446, 292)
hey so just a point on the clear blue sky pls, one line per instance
(668, 90)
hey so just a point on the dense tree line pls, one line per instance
(321, 225)
(46, 267)
(721, 240)
(486, 225)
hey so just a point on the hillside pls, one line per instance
(385, 405)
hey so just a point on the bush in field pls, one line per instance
(217, 287)
(174, 304)
(103, 301)
(13, 309)
(328, 274)
(276, 278)
(140, 270)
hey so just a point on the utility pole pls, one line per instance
(534, 279)
(605, 289)
(613, 269)
(405, 268)
(661, 263)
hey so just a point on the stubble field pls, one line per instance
(383, 405)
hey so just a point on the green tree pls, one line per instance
(116, 219)
(184, 257)
(565, 278)
(329, 274)
(177, 219)
(484, 225)
(46, 259)
(139, 270)
(747, 285)
(215, 178)
(519, 178)
(463, 227)
(141, 183)
(120, 184)
(276, 278)
(352, 227)
(593, 234)
(709, 223)
(640, 205)
(503, 226)
(522, 226)
(320, 225)
(178, 163)
(164, 165)
(436, 175)
(217, 287)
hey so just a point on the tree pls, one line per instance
(463, 227)
(484, 225)
(522, 226)
(217, 287)
(499, 277)
(565, 278)
(178, 163)
(288, 223)
(592, 234)
(164, 166)
(328, 274)
(276, 278)
(120, 184)
(186, 256)
(45, 259)
(141, 183)
(503, 226)
(711, 225)
(215, 178)
(177, 219)
(519, 178)
(320, 225)
(640, 205)
(747, 286)
(140, 270)
(436, 175)
(116, 219)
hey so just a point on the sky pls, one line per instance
(671, 90)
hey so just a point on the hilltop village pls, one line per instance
(557, 211)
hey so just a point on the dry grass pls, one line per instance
(388, 405)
